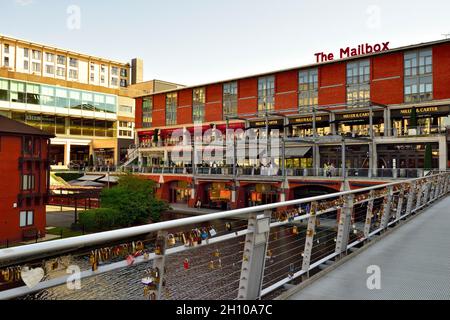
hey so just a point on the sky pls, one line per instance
(199, 41)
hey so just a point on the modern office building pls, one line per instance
(374, 115)
(85, 101)
(24, 172)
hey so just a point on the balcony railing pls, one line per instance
(253, 257)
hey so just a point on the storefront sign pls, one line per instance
(306, 120)
(348, 52)
(271, 123)
(348, 117)
(421, 111)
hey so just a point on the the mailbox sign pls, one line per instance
(349, 52)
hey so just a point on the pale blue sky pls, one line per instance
(198, 41)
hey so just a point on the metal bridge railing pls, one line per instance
(251, 257)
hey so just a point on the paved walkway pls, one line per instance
(414, 261)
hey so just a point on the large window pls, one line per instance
(47, 96)
(27, 182)
(419, 76)
(26, 218)
(75, 100)
(198, 105)
(266, 94)
(171, 109)
(62, 98)
(147, 110)
(33, 93)
(358, 83)
(308, 88)
(230, 99)
(4, 90)
(18, 92)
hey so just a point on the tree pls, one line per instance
(428, 162)
(131, 202)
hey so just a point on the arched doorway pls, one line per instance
(179, 192)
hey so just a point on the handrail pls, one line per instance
(109, 236)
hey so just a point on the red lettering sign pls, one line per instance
(349, 52)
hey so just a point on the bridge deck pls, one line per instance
(414, 262)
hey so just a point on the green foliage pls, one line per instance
(428, 161)
(131, 202)
(100, 219)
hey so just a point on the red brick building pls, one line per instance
(24, 180)
(368, 96)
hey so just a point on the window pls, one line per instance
(123, 83)
(73, 62)
(26, 64)
(4, 90)
(47, 96)
(49, 57)
(36, 67)
(266, 93)
(62, 99)
(26, 52)
(126, 109)
(36, 55)
(125, 124)
(92, 77)
(230, 99)
(49, 69)
(75, 100)
(103, 68)
(27, 143)
(114, 71)
(171, 109)
(92, 66)
(125, 133)
(102, 79)
(6, 62)
(358, 83)
(61, 60)
(6, 48)
(26, 218)
(27, 182)
(110, 104)
(88, 101)
(73, 74)
(419, 76)
(33, 93)
(75, 126)
(308, 86)
(114, 81)
(147, 110)
(17, 92)
(61, 72)
(123, 72)
(198, 105)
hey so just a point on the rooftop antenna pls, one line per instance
(446, 35)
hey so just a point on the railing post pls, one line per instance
(401, 199)
(447, 178)
(160, 261)
(427, 192)
(309, 239)
(369, 214)
(254, 259)
(387, 208)
(411, 192)
(420, 191)
(344, 224)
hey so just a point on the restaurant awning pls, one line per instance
(112, 179)
(298, 152)
(90, 177)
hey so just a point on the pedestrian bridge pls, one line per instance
(414, 263)
(265, 252)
